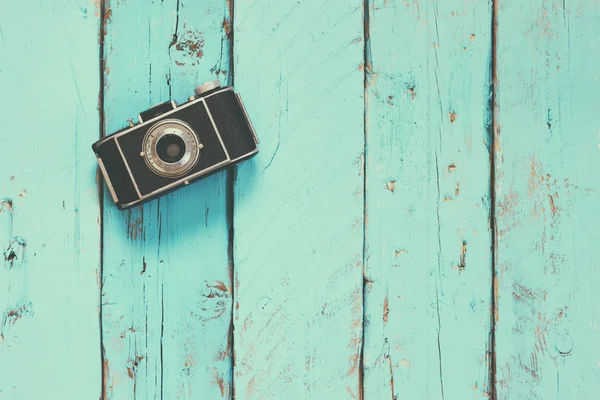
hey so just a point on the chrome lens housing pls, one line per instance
(184, 160)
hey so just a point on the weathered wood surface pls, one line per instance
(166, 301)
(547, 199)
(409, 230)
(428, 242)
(298, 216)
(49, 203)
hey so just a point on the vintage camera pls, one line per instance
(174, 145)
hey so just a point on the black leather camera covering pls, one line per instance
(231, 124)
(116, 170)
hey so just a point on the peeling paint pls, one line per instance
(14, 314)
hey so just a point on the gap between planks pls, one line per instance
(101, 134)
(230, 206)
(366, 72)
(493, 137)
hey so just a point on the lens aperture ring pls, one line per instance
(166, 138)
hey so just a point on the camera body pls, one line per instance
(174, 145)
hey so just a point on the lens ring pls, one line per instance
(156, 154)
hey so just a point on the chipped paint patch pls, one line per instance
(14, 314)
(14, 255)
(400, 253)
(6, 205)
(386, 309)
(191, 44)
(391, 186)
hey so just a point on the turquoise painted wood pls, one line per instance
(420, 222)
(49, 203)
(428, 238)
(166, 300)
(298, 216)
(547, 199)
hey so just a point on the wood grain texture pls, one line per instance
(49, 204)
(299, 203)
(167, 286)
(548, 201)
(428, 242)
(314, 210)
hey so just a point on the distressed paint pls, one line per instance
(547, 199)
(49, 204)
(299, 203)
(166, 302)
(428, 242)
(167, 299)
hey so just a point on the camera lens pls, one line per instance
(170, 148)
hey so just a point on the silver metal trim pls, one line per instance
(212, 121)
(179, 182)
(191, 103)
(241, 102)
(240, 158)
(226, 89)
(107, 180)
(128, 169)
(187, 179)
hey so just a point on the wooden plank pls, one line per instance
(547, 199)
(299, 203)
(167, 288)
(428, 242)
(49, 204)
